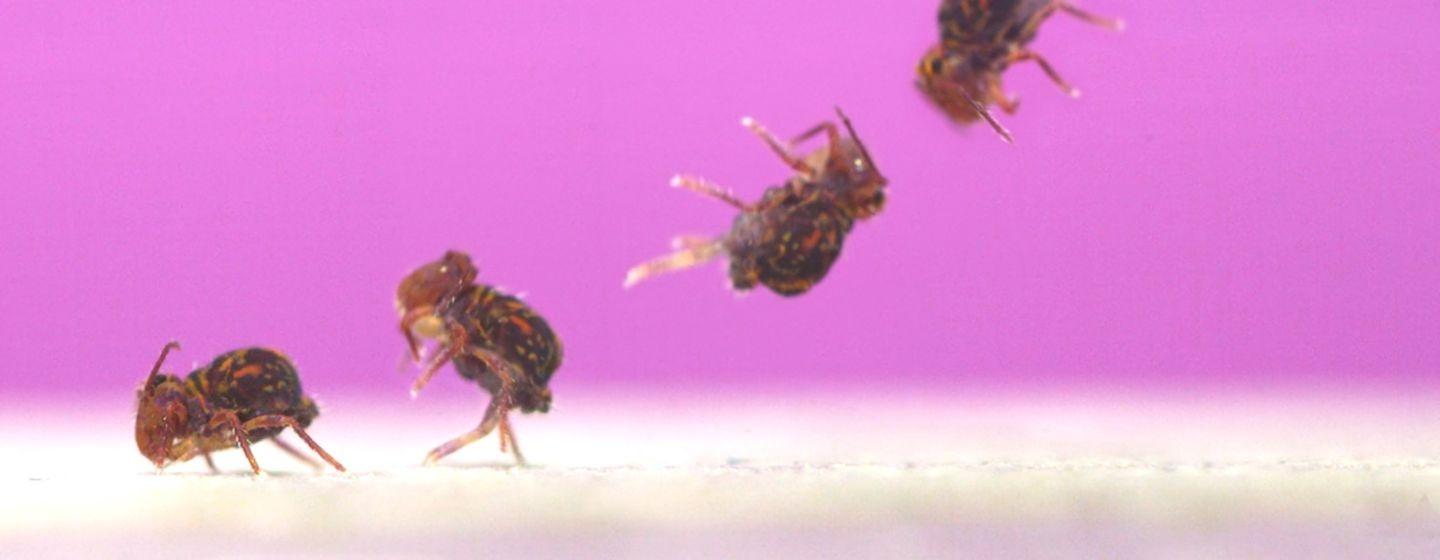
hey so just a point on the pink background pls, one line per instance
(1244, 199)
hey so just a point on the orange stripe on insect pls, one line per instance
(812, 240)
(522, 324)
(252, 369)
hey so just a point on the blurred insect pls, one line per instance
(493, 339)
(242, 397)
(979, 40)
(790, 238)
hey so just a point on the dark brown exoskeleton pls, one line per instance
(790, 238)
(493, 339)
(241, 397)
(979, 40)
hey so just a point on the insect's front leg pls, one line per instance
(407, 328)
(190, 447)
(781, 149)
(832, 133)
(449, 348)
(508, 436)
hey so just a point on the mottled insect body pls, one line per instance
(506, 325)
(491, 337)
(992, 28)
(254, 382)
(241, 397)
(979, 40)
(789, 240)
(789, 246)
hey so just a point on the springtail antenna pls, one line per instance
(989, 118)
(172, 345)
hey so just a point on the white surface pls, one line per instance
(767, 477)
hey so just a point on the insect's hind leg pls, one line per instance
(507, 436)
(507, 373)
(1113, 24)
(282, 421)
(486, 426)
(1021, 56)
(291, 451)
(227, 418)
(689, 252)
(1002, 100)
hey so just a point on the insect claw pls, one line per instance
(1073, 93)
(677, 181)
(747, 122)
